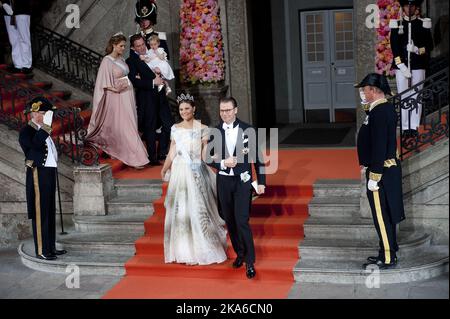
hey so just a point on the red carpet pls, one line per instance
(277, 224)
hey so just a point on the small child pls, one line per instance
(156, 59)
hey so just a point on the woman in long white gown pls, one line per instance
(194, 233)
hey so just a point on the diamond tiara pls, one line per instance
(185, 97)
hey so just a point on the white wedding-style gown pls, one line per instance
(194, 233)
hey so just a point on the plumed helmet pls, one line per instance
(146, 10)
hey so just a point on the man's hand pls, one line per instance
(9, 11)
(372, 185)
(261, 189)
(412, 48)
(404, 69)
(48, 118)
(157, 81)
(231, 162)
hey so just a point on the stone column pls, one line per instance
(93, 187)
(365, 63)
(207, 99)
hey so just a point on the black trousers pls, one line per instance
(386, 229)
(43, 201)
(235, 203)
(166, 121)
(150, 115)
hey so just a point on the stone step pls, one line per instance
(99, 243)
(419, 267)
(148, 189)
(334, 206)
(124, 224)
(340, 228)
(129, 205)
(88, 263)
(339, 187)
(410, 243)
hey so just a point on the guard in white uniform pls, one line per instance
(17, 15)
(411, 43)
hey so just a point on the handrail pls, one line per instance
(70, 134)
(65, 59)
(433, 95)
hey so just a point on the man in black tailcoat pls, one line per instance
(41, 160)
(377, 152)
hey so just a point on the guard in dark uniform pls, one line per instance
(411, 43)
(41, 160)
(17, 15)
(377, 152)
(147, 17)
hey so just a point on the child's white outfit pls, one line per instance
(159, 60)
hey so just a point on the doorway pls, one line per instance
(327, 40)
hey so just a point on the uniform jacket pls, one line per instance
(32, 140)
(377, 150)
(422, 39)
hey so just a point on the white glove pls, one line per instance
(404, 69)
(412, 48)
(48, 118)
(9, 11)
(372, 185)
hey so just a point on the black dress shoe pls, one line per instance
(155, 163)
(46, 257)
(26, 70)
(238, 262)
(381, 264)
(251, 272)
(373, 259)
(60, 252)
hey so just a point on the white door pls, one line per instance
(328, 61)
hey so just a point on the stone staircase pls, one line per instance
(339, 237)
(102, 244)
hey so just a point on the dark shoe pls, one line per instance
(155, 163)
(26, 70)
(251, 272)
(46, 257)
(238, 262)
(381, 264)
(60, 252)
(162, 157)
(373, 259)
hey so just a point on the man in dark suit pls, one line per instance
(17, 15)
(233, 156)
(377, 152)
(150, 102)
(41, 160)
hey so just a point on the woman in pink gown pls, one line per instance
(113, 125)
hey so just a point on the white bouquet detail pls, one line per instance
(245, 177)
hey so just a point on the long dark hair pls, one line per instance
(115, 40)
